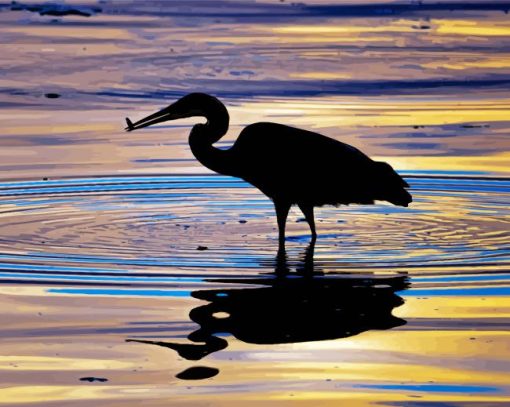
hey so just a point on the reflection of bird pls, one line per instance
(289, 165)
(307, 306)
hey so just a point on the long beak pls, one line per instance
(158, 117)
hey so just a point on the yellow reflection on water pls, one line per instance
(468, 62)
(363, 398)
(313, 373)
(74, 31)
(346, 37)
(11, 362)
(493, 162)
(320, 75)
(396, 26)
(456, 307)
(42, 394)
(471, 27)
(348, 111)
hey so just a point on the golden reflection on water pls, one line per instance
(76, 145)
(358, 112)
(427, 92)
(312, 372)
(115, 67)
(496, 162)
(472, 28)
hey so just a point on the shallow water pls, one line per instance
(406, 304)
(406, 307)
(153, 222)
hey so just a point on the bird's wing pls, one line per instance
(277, 144)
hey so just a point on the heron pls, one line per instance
(291, 166)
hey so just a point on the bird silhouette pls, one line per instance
(289, 165)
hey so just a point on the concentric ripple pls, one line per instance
(178, 230)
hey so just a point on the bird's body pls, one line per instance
(299, 166)
(289, 165)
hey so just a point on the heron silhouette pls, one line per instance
(289, 165)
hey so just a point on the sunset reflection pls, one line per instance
(108, 236)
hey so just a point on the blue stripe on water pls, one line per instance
(116, 187)
(446, 173)
(106, 292)
(481, 292)
(432, 387)
(118, 180)
(457, 292)
(210, 181)
(461, 278)
(129, 279)
(243, 262)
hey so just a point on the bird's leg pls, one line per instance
(281, 262)
(308, 212)
(282, 210)
(306, 267)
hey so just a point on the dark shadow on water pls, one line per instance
(290, 307)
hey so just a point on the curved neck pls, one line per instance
(202, 138)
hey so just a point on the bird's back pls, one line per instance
(302, 166)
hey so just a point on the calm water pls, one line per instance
(122, 259)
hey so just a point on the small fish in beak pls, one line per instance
(130, 125)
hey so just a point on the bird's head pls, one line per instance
(191, 105)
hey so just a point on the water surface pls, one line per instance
(121, 258)
(397, 304)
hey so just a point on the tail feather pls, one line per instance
(391, 185)
(400, 198)
(130, 125)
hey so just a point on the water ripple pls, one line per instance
(145, 231)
